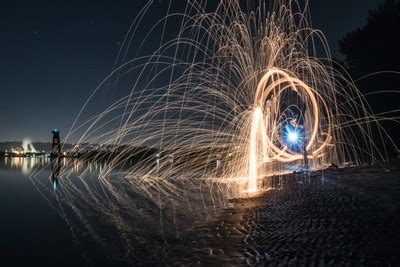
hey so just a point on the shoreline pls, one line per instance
(332, 217)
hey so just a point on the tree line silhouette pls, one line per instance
(371, 55)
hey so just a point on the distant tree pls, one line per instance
(375, 46)
(374, 50)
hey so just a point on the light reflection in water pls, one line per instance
(28, 164)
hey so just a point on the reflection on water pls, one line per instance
(29, 224)
(28, 164)
(115, 211)
(55, 172)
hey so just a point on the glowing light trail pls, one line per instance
(220, 64)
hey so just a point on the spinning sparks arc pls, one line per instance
(272, 86)
(237, 97)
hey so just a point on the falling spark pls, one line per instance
(237, 80)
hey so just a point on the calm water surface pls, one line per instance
(31, 231)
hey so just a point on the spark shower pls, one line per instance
(238, 95)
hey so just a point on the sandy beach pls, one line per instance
(333, 217)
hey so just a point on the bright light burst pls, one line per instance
(214, 104)
(293, 136)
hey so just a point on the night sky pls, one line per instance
(54, 54)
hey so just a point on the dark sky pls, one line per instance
(54, 53)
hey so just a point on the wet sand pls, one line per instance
(332, 217)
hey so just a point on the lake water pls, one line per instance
(31, 231)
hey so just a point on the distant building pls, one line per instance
(56, 144)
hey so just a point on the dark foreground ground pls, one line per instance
(335, 217)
